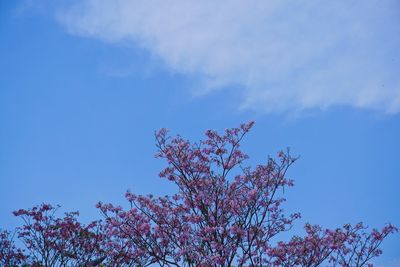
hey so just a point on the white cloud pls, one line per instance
(283, 55)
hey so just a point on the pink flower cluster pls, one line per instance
(52, 241)
(346, 246)
(10, 255)
(223, 214)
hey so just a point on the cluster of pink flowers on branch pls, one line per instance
(224, 214)
(53, 241)
(346, 246)
(10, 255)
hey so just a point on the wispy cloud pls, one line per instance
(283, 55)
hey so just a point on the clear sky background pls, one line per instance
(84, 85)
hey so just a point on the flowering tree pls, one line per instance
(224, 214)
(53, 241)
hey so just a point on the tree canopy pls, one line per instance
(224, 213)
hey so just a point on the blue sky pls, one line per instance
(84, 85)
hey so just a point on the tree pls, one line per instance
(53, 241)
(224, 214)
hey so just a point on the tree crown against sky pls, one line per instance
(224, 214)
